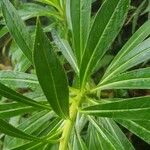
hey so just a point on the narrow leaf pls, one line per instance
(50, 74)
(139, 128)
(136, 39)
(17, 28)
(16, 79)
(110, 16)
(13, 109)
(79, 18)
(134, 108)
(11, 94)
(137, 79)
(104, 137)
(66, 50)
(12, 131)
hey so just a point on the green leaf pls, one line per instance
(11, 94)
(131, 45)
(12, 131)
(30, 146)
(78, 143)
(54, 79)
(16, 79)
(100, 38)
(34, 125)
(104, 137)
(13, 109)
(116, 132)
(137, 79)
(30, 10)
(79, 19)
(66, 50)
(139, 128)
(17, 28)
(134, 108)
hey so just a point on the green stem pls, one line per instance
(69, 123)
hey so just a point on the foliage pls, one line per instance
(60, 113)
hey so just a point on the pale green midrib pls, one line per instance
(124, 64)
(26, 99)
(55, 91)
(141, 127)
(115, 134)
(72, 58)
(102, 133)
(114, 110)
(16, 109)
(119, 82)
(91, 58)
(124, 52)
(13, 79)
(27, 55)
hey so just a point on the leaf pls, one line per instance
(66, 50)
(78, 143)
(139, 128)
(3, 31)
(12, 131)
(34, 125)
(19, 61)
(131, 45)
(30, 10)
(110, 16)
(30, 146)
(17, 79)
(17, 28)
(116, 132)
(13, 109)
(137, 79)
(11, 94)
(105, 139)
(79, 18)
(54, 79)
(134, 109)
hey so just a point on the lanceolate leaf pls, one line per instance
(105, 28)
(134, 57)
(80, 13)
(134, 108)
(137, 79)
(135, 40)
(12, 131)
(13, 109)
(18, 79)
(116, 132)
(139, 128)
(104, 137)
(17, 28)
(66, 50)
(11, 94)
(51, 75)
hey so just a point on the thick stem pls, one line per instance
(69, 123)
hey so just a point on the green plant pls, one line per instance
(77, 117)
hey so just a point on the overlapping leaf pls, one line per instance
(17, 28)
(139, 128)
(134, 108)
(109, 19)
(18, 79)
(137, 79)
(11, 94)
(79, 13)
(50, 74)
(133, 52)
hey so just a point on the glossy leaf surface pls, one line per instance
(51, 74)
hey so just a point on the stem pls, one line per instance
(69, 123)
